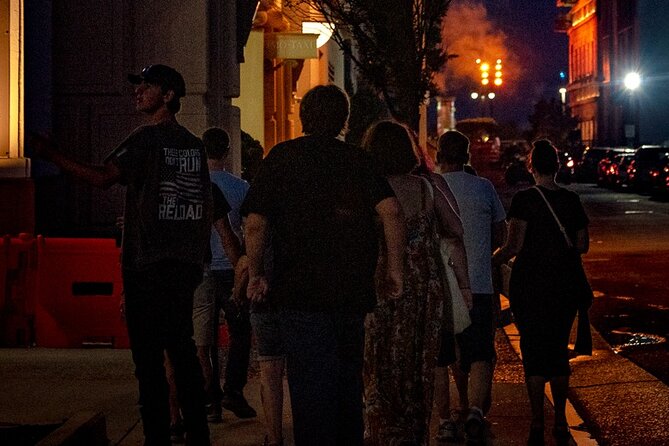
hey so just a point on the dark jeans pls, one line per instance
(324, 358)
(159, 307)
(239, 329)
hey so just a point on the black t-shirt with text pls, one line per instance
(168, 201)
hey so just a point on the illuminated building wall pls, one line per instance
(583, 68)
(16, 188)
(607, 40)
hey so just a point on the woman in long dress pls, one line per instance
(403, 335)
(547, 284)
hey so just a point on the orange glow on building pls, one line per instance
(583, 90)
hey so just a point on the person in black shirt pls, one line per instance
(167, 223)
(320, 198)
(548, 232)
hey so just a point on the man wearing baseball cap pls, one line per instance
(167, 221)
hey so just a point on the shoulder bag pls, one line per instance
(461, 318)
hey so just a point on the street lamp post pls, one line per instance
(632, 82)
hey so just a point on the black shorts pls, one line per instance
(477, 342)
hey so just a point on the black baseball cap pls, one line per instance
(166, 77)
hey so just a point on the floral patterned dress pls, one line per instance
(402, 340)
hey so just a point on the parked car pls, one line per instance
(618, 171)
(612, 172)
(647, 159)
(603, 170)
(660, 179)
(586, 171)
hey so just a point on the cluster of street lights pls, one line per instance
(489, 79)
(484, 67)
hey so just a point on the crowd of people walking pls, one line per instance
(362, 273)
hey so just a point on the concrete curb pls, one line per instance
(83, 428)
(622, 403)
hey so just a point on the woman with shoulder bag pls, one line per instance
(548, 232)
(403, 335)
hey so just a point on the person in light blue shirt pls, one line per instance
(484, 227)
(215, 294)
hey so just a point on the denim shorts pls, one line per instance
(210, 296)
(267, 331)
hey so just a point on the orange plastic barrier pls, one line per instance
(79, 294)
(18, 272)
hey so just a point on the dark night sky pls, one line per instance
(541, 52)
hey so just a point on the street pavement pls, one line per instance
(617, 402)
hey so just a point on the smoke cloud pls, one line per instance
(470, 34)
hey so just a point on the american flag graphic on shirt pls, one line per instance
(181, 190)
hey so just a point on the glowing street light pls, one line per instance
(474, 95)
(632, 81)
(491, 95)
(563, 95)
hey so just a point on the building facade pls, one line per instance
(246, 64)
(608, 40)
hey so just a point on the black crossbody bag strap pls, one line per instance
(557, 220)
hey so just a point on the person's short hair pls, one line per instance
(453, 148)
(216, 143)
(391, 147)
(324, 111)
(544, 157)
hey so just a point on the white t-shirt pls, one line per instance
(480, 208)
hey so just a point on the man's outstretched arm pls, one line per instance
(100, 176)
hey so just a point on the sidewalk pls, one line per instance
(622, 404)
